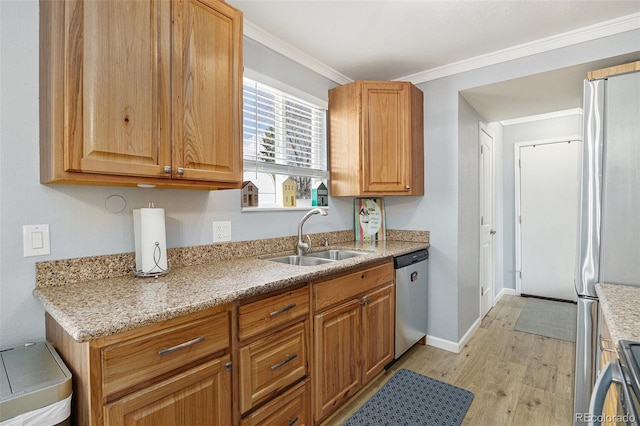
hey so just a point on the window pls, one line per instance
(283, 137)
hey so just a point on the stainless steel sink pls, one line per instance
(316, 258)
(335, 254)
(300, 260)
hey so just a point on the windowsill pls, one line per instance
(280, 209)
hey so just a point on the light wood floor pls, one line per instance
(517, 378)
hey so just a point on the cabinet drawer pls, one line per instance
(256, 317)
(270, 364)
(290, 409)
(146, 357)
(337, 290)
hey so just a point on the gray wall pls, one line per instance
(82, 226)
(559, 127)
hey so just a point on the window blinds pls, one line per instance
(282, 134)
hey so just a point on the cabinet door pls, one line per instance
(208, 91)
(199, 397)
(117, 80)
(337, 368)
(386, 137)
(378, 325)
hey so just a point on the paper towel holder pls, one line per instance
(150, 261)
(143, 274)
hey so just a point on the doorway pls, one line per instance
(546, 217)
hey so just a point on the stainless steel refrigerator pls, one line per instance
(609, 222)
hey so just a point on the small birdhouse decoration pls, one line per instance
(249, 194)
(288, 193)
(320, 196)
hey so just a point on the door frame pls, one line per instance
(483, 127)
(516, 167)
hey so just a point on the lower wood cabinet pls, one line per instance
(175, 372)
(337, 366)
(289, 367)
(199, 396)
(354, 337)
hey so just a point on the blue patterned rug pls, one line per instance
(411, 399)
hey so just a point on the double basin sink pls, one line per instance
(316, 258)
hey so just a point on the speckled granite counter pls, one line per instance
(620, 306)
(91, 309)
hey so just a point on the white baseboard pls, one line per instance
(450, 346)
(439, 343)
(507, 291)
(468, 334)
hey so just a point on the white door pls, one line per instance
(487, 223)
(548, 218)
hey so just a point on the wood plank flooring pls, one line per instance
(517, 378)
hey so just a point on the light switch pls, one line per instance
(36, 240)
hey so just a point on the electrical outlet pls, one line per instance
(221, 231)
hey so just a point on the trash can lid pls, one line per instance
(31, 377)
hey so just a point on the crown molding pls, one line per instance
(581, 35)
(267, 39)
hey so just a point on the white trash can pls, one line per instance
(35, 386)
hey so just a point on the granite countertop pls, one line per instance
(619, 304)
(92, 309)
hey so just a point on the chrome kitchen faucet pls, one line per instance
(302, 247)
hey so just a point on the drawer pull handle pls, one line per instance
(293, 422)
(281, 363)
(192, 342)
(283, 310)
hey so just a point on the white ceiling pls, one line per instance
(398, 39)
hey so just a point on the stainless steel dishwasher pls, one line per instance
(411, 299)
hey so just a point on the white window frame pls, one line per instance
(319, 151)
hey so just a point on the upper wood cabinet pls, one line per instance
(141, 92)
(376, 141)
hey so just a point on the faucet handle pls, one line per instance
(308, 244)
(326, 242)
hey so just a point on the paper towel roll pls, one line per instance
(151, 240)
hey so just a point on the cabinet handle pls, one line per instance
(365, 302)
(407, 187)
(293, 422)
(167, 170)
(286, 361)
(180, 171)
(191, 342)
(283, 310)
